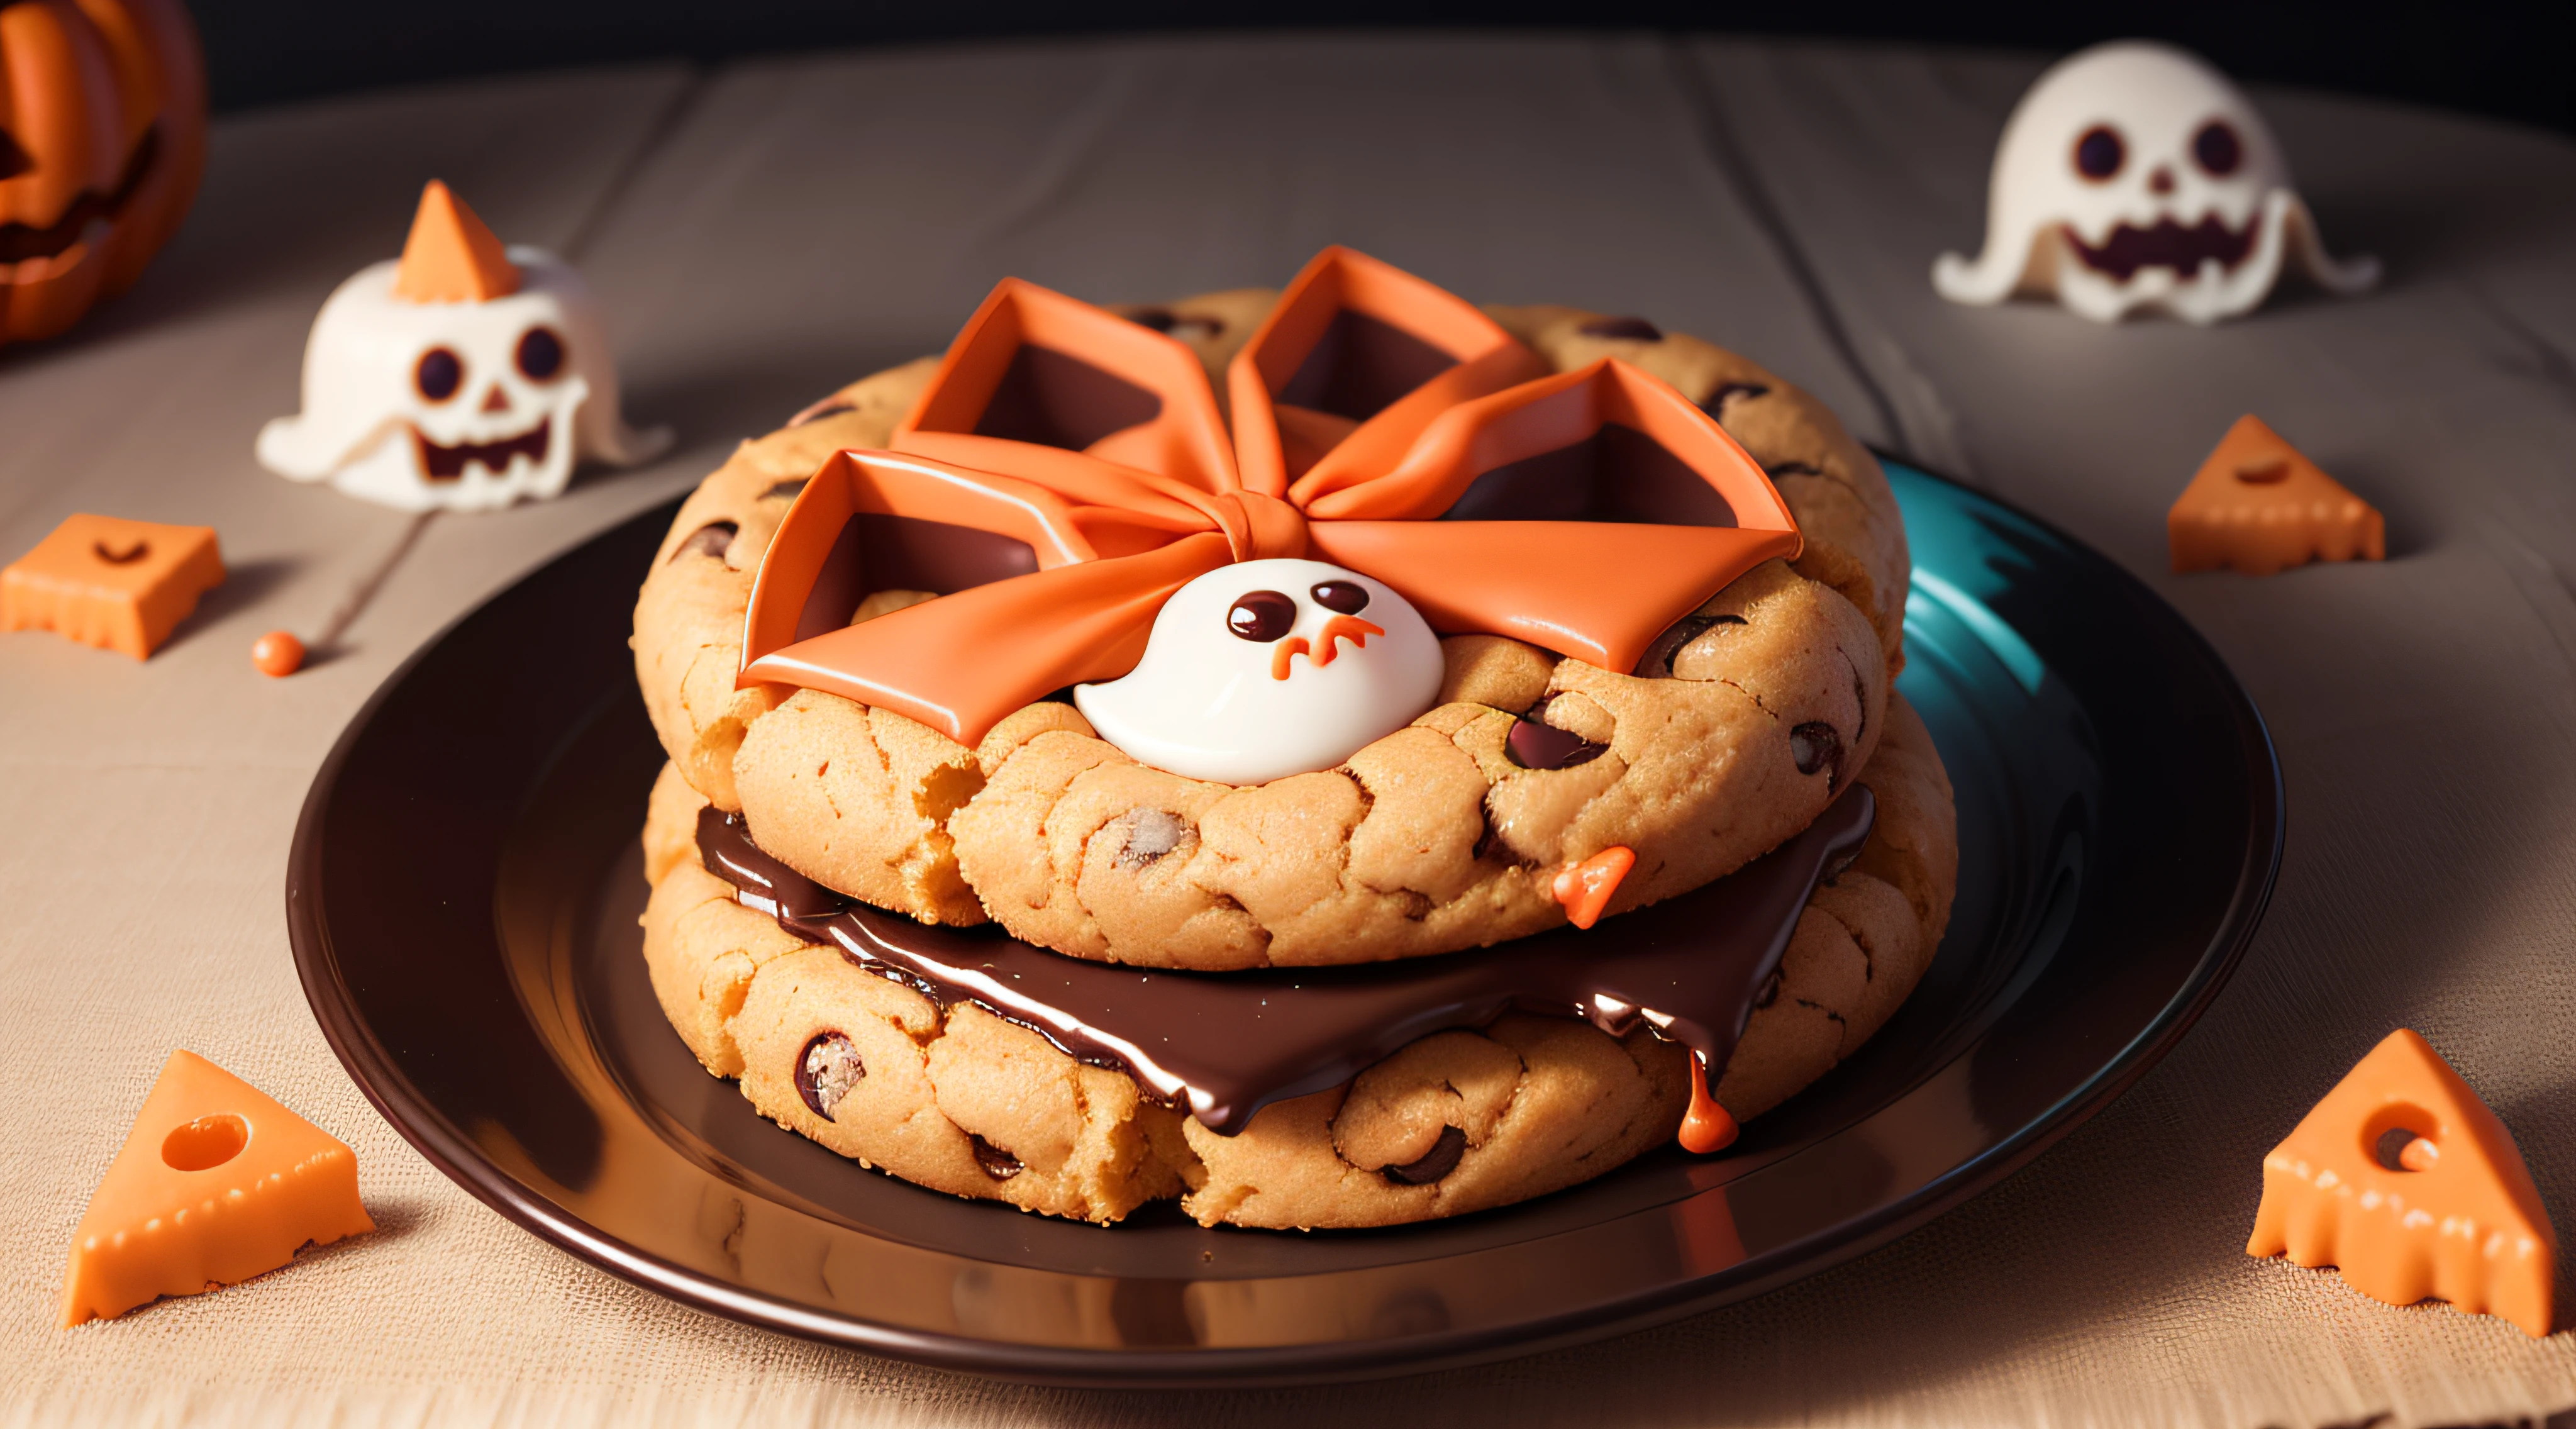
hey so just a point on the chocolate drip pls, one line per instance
(1224, 1045)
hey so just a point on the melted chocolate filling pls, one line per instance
(445, 463)
(2165, 245)
(1223, 1046)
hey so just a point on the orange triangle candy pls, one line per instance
(2456, 1217)
(2260, 506)
(451, 257)
(216, 1183)
(1585, 888)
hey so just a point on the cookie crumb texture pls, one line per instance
(964, 1102)
(1448, 834)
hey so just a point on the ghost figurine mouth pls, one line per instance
(1220, 693)
(439, 462)
(1283, 658)
(2165, 244)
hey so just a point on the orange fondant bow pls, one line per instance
(1066, 470)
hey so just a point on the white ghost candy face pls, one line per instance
(2134, 176)
(1269, 668)
(457, 406)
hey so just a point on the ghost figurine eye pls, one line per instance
(2217, 148)
(1261, 616)
(439, 374)
(1341, 597)
(2099, 153)
(540, 354)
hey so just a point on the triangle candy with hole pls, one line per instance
(2261, 506)
(216, 1183)
(2408, 1184)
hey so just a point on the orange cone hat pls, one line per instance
(2456, 1216)
(451, 257)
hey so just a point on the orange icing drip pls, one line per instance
(1284, 654)
(1341, 627)
(1585, 888)
(1706, 1127)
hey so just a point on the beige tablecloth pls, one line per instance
(766, 231)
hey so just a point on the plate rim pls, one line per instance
(427, 1129)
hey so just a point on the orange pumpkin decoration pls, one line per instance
(102, 141)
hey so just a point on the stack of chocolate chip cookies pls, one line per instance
(1060, 812)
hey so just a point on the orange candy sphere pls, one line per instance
(278, 654)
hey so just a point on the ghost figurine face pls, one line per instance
(1264, 669)
(484, 393)
(2132, 177)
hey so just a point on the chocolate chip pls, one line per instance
(1633, 329)
(712, 539)
(1159, 319)
(783, 490)
(1715, 406)
(826, 1070)
(1657, 662)
(1438, 1162)
(1152, 834)
(1341, 597)
(819, 412)
(997, 1163)
(1261, 616)
(1533, 745)
(1816, 745)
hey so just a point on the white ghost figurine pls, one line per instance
(1265, 669)
(2134, 176)
(461, 377)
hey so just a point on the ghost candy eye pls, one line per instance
(440, 373)
(1262, 616)
(541, 354)
(2217, 148)
(1341, 597)
(2099, 153)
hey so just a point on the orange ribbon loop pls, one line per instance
(1066, 471)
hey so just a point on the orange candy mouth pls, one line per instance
(1283, 656)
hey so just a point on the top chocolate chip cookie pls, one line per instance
(1343, 624)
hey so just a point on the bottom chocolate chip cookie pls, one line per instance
(966, 1102)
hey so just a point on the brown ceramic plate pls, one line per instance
(465, 882)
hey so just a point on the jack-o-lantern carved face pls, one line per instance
(2134, 176)
(1263, 669)
(456, 402)
(102, 141)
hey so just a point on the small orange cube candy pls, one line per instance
(2405, 1182)
(216, 1183)
(105, 581)
(2260, 506)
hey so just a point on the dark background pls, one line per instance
(2505, 60)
